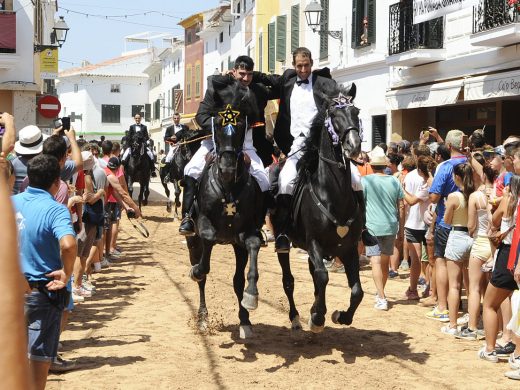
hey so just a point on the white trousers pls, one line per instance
(127, 152)
(171, 152)
(289, 172)
(196, 165)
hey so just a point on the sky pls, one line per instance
(100, 35)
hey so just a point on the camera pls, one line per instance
(62, 122)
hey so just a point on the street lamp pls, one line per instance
(313, 13)
(58, 36)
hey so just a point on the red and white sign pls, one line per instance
(49, 106)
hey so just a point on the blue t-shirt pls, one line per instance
(507, 178)
(444, 185)
(42, 222)
(381, 196)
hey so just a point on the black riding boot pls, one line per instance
(366, 237)
(189, 191)
(281, 223)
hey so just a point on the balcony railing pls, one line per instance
(7, 32)
(405, 36)
(490, 14)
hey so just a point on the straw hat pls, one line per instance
(30, 140)
(378, 157)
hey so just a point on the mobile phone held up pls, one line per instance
(62, 122)
(464, 142)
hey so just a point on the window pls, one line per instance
(157, 109)
(115, 88)
(295, 27)
(260, 52)
(324, 38)
(147, 112)
(238, 8)
(138, 109)
(271, 43)
(76, 88)
(221, 37)
(378, 130)
(229, 63)
(363, 23)
(281, 35)
(188, 37)
(188, 82)
(197, 80)
(110, 113)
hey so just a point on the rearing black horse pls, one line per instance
(138, 170)
(326, 219)
(228, 202)
(186, 147)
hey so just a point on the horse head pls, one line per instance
(229, 130)
(343, 120)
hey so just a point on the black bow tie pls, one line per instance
(300, 82)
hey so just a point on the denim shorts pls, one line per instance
(385, 246)
(458, 246)
(43, 327)
(440, 239)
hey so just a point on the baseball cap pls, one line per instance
(113, 163)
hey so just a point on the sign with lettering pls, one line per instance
(49, 63)
(438, 94)
(424, 10)
(492, 86)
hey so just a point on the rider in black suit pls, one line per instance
(172, 135)
(138, 132)
(296, 85)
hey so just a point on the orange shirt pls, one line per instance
(365, 169)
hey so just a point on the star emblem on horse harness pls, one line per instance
(230, 209)
(229, 116)
(342, 100)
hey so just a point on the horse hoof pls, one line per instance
(315, 328)
(169, 207)
(246, 331)
(202, 325)
(193, 277)
(335, 317)
(249, 301)
(296, 324)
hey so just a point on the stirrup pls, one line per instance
(284, 246)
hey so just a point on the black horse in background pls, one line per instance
(138, 170)
(229, 202)
(186, 146)
(326, 220)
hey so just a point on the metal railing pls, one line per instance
(490, 14)
(405, 36)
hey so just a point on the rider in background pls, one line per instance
(138, 133)
(208, 109)
(173, 133)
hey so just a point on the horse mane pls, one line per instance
(309, 160)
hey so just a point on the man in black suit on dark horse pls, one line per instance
(138, 131)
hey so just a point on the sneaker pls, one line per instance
(489, 356)
(61, 365)
(105, 263)
(328, 263)
(467, 334)
(381, 304)
(514, 362)
(115, 254)
(411, 295)
(438, 315)
(77, 298)
(449, 330)
(428, 302)
(513, 375)
(87, 285)
(404, 266)
(270, 236)
(506, 350)
(82, 292)
(393, 274)
(363, 258)
(421, 281)
(463, 320)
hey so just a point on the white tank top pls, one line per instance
(482, 216)
(505, 224)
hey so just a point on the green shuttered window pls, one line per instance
(295, 27)
(281, 37)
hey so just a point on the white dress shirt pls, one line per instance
(303, 109)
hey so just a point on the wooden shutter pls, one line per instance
(324, 38)
(356, 10)
(147, 112)
(271, 42)
(295, 27)
(371, 21)
(281, 37)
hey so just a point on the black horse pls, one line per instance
(186, 147)
(229, 202)
(326, 219)
(138, 170)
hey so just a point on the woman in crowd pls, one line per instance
(502, 283)
(459, 241)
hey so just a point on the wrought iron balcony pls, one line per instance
(423, 39)
(490, 14)
(496, 23)
(7, 32)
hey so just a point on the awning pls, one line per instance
(492, 86)
(433, 95)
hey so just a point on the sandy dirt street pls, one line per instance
(139, 330)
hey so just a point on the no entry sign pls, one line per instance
(49, 106)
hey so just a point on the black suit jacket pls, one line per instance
(282, 87)
(214, 101)
(170, 132)
(143, 131)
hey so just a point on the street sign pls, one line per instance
(49, 106)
